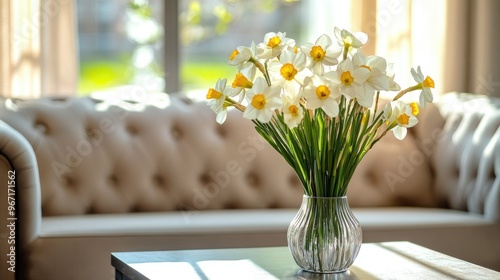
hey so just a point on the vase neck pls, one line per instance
(324, 197)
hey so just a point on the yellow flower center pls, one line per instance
(322, 92)
(295, 49)
(213, 94)
(241, 81)
(414, 109)
(346, 78)
(259, 101)
(317, 53)
(366, 67)
(294, 110)
(234, 54)
(428, 82)
(273, 42)
(288, 71)
(404, 119)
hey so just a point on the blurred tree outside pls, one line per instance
(121, 40)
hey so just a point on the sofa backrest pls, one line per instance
(148, 153)
(121, 153)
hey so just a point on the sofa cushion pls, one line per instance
(84, 243)
(237, 221)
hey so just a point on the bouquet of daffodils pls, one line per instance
(317, 104)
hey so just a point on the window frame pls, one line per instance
(171, 45)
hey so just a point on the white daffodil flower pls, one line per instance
(273, 45)
(400, 116)
(242, 57)
(350, 41)
(292, 111)
(242, 82)
(393, 86)
(216, 99)
(351, 81)
(425, 84)
(320, 54)
(290, 71)
(377, 80)
(262, 100)
(319, 92)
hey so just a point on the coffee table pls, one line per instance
(390, 260)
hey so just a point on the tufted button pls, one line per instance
(159, 180)
(221, 131)
(94, 135)
(41, 126)
(205, 179)
(230, 205)
(113, 180)
(67, 181)
(253, 179)
(132, 129)
(294, 181)
(177, 132)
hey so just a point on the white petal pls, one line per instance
(364, 96)
(287, 57)
(387, 112)
(259, 85)
(416, 76)
(360, 75)
(250, 113)
(359, 59)
(330, 107)
(313, 103)
(323, 41)
(412, 121)
(377, 62)
(399, 132)
(221, 116)
(265, 115)
(362, 38)
(380, 82)
(333, 76)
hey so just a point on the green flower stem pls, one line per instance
(325, 151)
(405, 91)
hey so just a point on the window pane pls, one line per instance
(117, 43)
(212, 29)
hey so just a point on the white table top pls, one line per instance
(390, 260)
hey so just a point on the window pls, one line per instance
(119, 43)
(208, 31)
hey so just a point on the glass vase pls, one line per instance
(324, 236)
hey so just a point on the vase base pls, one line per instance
(323, 272)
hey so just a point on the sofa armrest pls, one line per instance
(461, 134)
(20, 180)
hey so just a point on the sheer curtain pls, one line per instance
(471, 60)
(38, 50)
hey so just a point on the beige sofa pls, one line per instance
(130, 171)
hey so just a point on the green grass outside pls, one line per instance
(99, 74)
(203, 74)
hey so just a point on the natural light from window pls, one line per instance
(111, 54)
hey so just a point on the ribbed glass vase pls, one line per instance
(324, 236)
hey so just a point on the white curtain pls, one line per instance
(471, 62)
(60, 48)
(38, 50)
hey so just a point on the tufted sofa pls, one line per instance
(129, 171)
